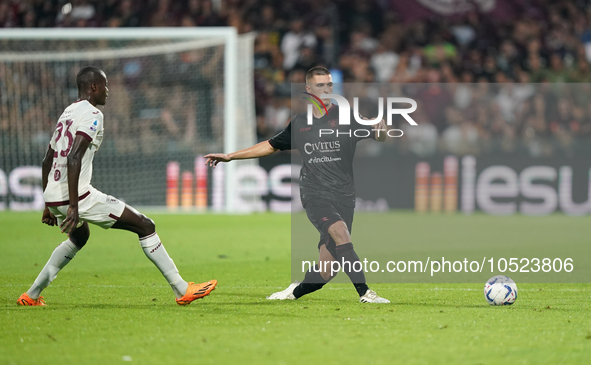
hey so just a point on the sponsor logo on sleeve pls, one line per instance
(112, 200)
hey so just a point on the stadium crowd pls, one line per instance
(376, 41)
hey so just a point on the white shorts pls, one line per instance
(97, 208)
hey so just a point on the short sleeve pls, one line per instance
(282, 140)
(91, 124)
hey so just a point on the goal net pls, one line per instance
(175, 94)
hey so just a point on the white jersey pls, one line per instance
(80, 118)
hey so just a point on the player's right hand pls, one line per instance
(214, 158)
(71, 222)
(48, 218)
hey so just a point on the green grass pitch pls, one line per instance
(110, 304)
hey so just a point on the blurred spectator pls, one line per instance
(422, 139)
(293, 41)
(277, 115)
(362, 43)
(483, 56)
(384, 63)
(460, 137)
(439, 51)
(127, 15)
(266, 53)
(306, 60)
(82, 9)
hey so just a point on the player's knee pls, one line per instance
(339, 233)
(80, 236)
(148, 225)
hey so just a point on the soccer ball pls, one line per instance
(500, 290)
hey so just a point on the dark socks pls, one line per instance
(347, 256)
(345, 253)
(312, 281)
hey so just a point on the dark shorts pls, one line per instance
(323, 214)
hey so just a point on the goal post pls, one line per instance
(28, 53)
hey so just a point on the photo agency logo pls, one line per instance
(345, 114)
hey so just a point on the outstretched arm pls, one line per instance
(258, 150)
(47, 217)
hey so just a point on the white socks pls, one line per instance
(155, 251)
(151, 245)
(59, 258)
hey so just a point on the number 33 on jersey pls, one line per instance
(80, 118)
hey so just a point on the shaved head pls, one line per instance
(88, 76)
(92, 85)
(318, 70)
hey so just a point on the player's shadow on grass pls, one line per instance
(238, 294)
(259, 302)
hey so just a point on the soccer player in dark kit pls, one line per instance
(327, 188)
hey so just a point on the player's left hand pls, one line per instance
(48, 218)
(71, 222)
(381, 125)
(382, 129)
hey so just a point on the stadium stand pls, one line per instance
(384, 42)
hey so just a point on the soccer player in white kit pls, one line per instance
(72, 202)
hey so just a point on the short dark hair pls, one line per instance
(87, 76)
(318, 70)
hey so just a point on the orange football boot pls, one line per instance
(26, 300)
(197, 291)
